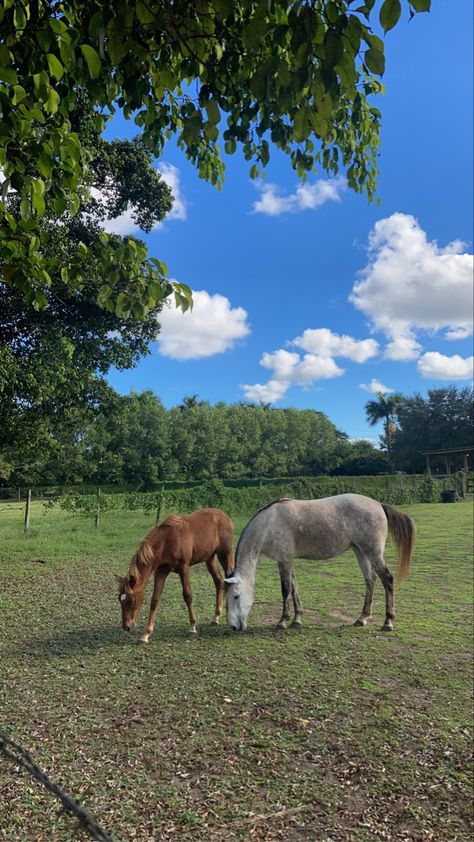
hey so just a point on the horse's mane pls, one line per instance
(268, 506)
(172, 520)
(141, 561)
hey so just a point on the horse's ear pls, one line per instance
(232, 579)
(132, 581)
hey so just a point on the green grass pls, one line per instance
(328, 733)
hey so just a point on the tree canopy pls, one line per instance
(384, 408)
(444, 419)
(134, 440)
(296, 75)
(52, 358)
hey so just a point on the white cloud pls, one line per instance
(292, 369)
(403, 348)
(170, 175)
(411, 284)
(124, 224)
(458, 333)
(266, 393)
(437, 366)
(211, 327)
(274, 202)
(376, 387)
(327, 344)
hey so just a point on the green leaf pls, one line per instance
(301, 124)
(5, 56)
(213, 113)
(40, 301)
(37, 196)
(19, 93)
(19, 18)
(258, 86)
(7, 74)
(45, 165)
(375, 61)
(122, 305)
(25, 209)
(421, 5)
(211, 131)
(59, 205)
(42, 85)
(55, 67)
(334, 47)
(144, 14)
(58, 26)
(104, 292)
(92, 60)
(254, 171)
(390, 14)
(66, 51)
(117, 45)
(230, 146)
(52, 103)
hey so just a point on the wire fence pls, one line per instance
(16, 754)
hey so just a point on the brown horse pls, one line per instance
(179, 542)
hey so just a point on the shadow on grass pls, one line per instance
(95, 639)
(75, 641)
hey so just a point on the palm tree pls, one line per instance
(384, 409)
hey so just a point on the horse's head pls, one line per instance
(131, 599)
(239, 596)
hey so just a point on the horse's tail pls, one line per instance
(403, 531)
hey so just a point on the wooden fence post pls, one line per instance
(97, 511)
(160, 503)
(18, 494)
(27, 509)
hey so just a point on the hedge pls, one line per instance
(395, 490)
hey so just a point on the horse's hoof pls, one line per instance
(361, 621)
(192, 631)
(280, 626)
(143, 640)
(296, 624)
(214, 622)
(386, 627)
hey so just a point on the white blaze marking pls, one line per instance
(122, 597)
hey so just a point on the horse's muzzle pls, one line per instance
(128, 626)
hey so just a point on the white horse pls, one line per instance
(319, 529)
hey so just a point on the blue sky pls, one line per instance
(311, 297)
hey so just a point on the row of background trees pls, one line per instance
(135, 440)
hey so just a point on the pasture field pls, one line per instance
(327, 733)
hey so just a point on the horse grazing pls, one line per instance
(179, 542)
(317, 530)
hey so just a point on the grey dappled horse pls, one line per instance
(317, 530)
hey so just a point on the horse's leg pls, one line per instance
(386, 578)
(188, 598)
(285, 576)
(368, 573)
(160, 579)
(216, 575)
(296, 601)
